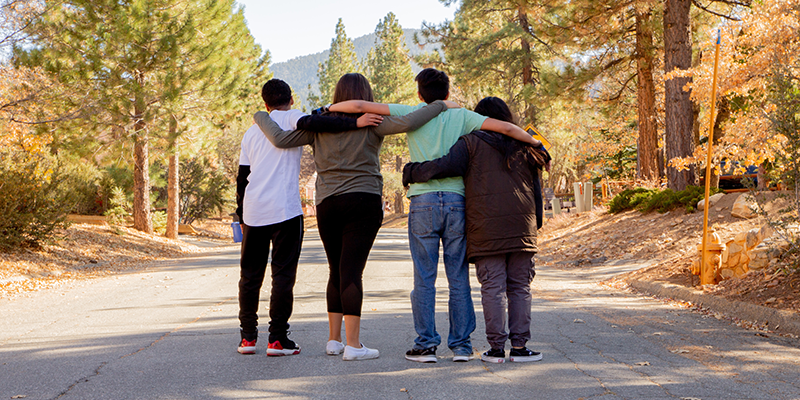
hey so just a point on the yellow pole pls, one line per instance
(706, 271)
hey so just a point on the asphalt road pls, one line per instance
(170, 332)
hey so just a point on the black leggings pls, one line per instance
(348, 224)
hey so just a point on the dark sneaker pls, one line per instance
(247, 347)
(524, 355)
(283, 347)
(424, 355)
(497, 356)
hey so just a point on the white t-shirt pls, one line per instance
(273, 189)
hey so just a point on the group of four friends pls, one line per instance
(489, 217)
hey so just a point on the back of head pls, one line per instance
(494, 107)
(276, 93)
(433, 85)
(353, 86)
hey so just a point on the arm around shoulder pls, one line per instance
(412, 121)
(454, 163)
(510, 130)
(279, 137)
(359, 107)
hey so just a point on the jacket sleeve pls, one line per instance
(410, 122)
(241, 185)
(327, 123)
(280, 138)
(454, 163)
(537, 197)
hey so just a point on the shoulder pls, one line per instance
(402, 109)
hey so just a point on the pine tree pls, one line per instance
(341, 60)
(140, 61)
(493, 48)
(389, 71)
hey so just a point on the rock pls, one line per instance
(765, 232)
(751, 239)
(726, 273)
(735, 248)
(740, 271)
(733, 259)
(711, 200)
(598, 260)
(758, 263)
(743, 208)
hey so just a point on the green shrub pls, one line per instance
(204, 190)
(625, 199)
(119, 207)
(647, 200)
(36, 197)
(159, 222)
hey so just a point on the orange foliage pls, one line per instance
(766, 36)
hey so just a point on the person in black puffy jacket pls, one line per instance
(503, 211)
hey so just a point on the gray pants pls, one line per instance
(506, 281)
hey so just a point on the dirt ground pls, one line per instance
(670, 240)
(84, 251)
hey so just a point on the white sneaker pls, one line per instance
(334, 348)
(364, 353)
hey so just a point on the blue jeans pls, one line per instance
(434, 217)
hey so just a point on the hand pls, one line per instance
(451, 104)
(369, 119)
(547, 166)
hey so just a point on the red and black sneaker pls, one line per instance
(247, 347)
(283, 347)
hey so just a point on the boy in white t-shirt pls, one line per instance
(269, 209)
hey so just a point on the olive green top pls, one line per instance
(347, 162)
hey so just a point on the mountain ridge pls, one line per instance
(299, 72)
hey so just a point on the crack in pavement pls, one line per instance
(162, 337)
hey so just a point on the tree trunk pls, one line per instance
(527, 63)
(173, 195)
(722, 115)
(141, 181)
(648, 132)
(398, 196)
(678, 106)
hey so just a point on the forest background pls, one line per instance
(137, 107)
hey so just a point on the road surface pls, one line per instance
(170, 332)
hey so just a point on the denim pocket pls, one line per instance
(456, 220)
(420, 221)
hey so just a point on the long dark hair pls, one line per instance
(494, 107)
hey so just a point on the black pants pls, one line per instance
(287, 239)
(348, 224)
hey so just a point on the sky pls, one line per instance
(293, 28)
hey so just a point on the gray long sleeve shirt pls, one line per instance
(347, 162)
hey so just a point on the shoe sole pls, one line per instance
(281, 353)
(494, 360)
(422, 359)
(360, 358)
(246, 350)
(461, 358)
(525, 358)
(333, 353)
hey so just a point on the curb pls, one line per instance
(779, 321)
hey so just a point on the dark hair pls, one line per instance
(352, 86)
(276, 93)
(495, 107)
(432, 85)
(511, 149)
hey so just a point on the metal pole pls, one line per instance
(706, 271)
